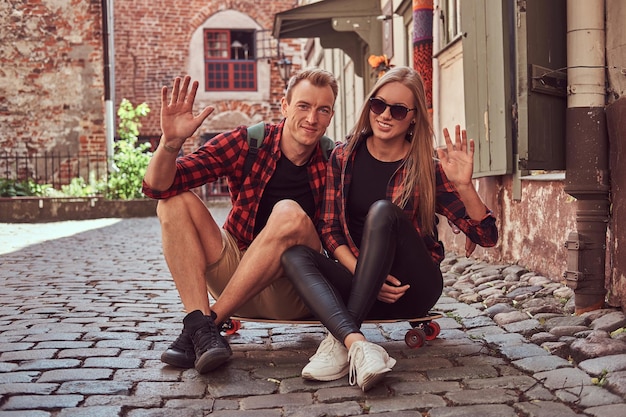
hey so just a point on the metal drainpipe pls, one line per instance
(587, 157)
(109, 79)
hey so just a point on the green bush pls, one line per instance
(26, 188)
(78, 187)
(130, 160)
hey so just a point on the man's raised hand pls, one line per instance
(177, 119)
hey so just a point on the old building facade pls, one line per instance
(51, 77)
(509, 71)
(158, 41)
(58, 58)
(539, 86)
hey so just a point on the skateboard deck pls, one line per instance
(422, 328)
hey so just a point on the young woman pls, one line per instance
(383, 190)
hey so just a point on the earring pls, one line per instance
(409, 133)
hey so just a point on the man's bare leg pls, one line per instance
(288, 225)
(191, 241)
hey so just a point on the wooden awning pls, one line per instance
(350, 25)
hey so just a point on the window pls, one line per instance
(229, 60)
(515, 95)
(542, 92)
(488, 80)
(450, 21)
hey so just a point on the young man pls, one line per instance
(274, 207)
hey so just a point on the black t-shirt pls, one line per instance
(288, 182)
(369, 184)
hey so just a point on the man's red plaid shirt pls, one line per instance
(224, 156)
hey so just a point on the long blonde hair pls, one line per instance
(419, 164)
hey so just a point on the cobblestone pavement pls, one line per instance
(87, 307)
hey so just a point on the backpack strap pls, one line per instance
(327, 145)
(256, 134)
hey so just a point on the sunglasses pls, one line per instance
(397, 111)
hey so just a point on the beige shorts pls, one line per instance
(278, 301)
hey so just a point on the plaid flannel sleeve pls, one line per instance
(214, 159)
(483, 232)
(330, 228)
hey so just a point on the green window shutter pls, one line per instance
(542, 98)
(488, 81)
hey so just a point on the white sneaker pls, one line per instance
(330, 362)
(368, 363)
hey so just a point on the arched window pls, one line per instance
(226, 52)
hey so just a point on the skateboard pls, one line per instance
(422, 328)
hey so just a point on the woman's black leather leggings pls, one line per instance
(390, 246)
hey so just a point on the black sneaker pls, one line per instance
(181, 353)
(210, 346)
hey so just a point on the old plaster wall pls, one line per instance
(616, 47)
(616, 124)
(616, 113)
(532, 230)
(51, 85)
(51, 67)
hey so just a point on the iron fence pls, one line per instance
(59, 168)
(53, 168)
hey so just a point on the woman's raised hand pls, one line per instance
(457, 159)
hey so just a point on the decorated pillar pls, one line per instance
(423, 45)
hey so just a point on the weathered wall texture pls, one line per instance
(51, 68)
(532, 231)
(51, 86)
(616, 123)
(616, 47)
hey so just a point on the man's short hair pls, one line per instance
(317, 77)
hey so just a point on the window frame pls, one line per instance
(225, 72)
(450, 22)
(208, 56)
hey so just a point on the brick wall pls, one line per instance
(51, 86)
(152, 41)
(51, 67)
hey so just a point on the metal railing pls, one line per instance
(54, 168)
(59, 168)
